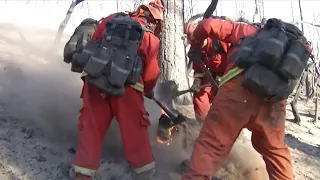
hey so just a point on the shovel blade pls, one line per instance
(165, 93)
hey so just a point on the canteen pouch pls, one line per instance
(243, 57)
(136, 71)
(271, 46)
(266, 84)
(295, 60)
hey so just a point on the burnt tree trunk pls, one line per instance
(172, 54)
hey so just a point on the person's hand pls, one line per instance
(149, 95)
(196, 85)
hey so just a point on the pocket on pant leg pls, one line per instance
(233, 100)
(145, 121)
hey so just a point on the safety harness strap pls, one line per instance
(138, 86)
(230, 74)
(145, 168)
(84, 171)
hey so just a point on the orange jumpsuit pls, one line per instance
(216, 63)
(235, 108)
(129, 110)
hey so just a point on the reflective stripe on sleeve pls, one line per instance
(138, 86)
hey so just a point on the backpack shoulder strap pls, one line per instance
(147, 28)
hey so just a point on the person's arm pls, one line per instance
(149, 51)
(226, 31)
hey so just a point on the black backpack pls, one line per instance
(115, 62)
(274, 60)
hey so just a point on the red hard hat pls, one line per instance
(156, 9)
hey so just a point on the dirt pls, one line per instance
(39, 102)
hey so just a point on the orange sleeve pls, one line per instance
(226, 31)
(149, 53)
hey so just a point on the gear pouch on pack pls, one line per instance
(259, 80)
(82, 41)
(266, 84)
(243, 57)
(135, 72)
(70, 49)
(271, 46)
(104, 85)
(121, 64)
(295, 60)
(283, 90)
(92, 47)
(97, 63)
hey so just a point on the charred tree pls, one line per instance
(172, 54)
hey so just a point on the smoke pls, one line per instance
(36, 85)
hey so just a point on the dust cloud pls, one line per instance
(37, 87)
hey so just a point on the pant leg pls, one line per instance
(201, 103)
(268, 132)
(229, 113)
(95, 119)
(133, 121)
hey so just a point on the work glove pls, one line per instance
(195, 54)
(149, 95)
(196, 85)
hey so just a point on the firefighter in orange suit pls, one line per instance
(214, 57)
(235, 108)
(99, 109)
